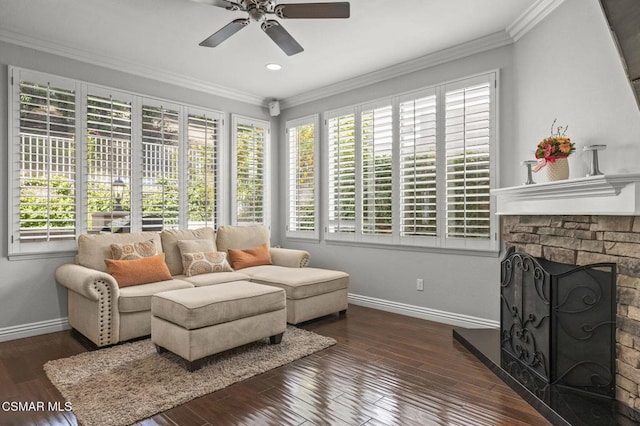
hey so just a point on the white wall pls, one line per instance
(568, 68)
(28, 292)
(460, 284)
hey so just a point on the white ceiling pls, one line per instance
(160, 37)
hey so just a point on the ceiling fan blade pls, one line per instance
(225, 32)
(313, 10)
(281, 37)
(220, 3)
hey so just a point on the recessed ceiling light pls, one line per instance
(274, 67)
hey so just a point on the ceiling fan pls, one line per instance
(258, 10)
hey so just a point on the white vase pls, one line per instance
(557, 170)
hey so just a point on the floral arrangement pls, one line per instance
(556, 146)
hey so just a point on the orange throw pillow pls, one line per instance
(249, 257)
(138, 271)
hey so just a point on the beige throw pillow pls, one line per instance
(132, 251)
(194, 246)
(170, 238)
(204, 263)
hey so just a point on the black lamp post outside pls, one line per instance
(117, 187)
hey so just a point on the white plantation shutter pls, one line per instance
(44, 163)
(425, 163)
(418, 201)
(108, 147)
(468, 134)
(251, 182)
(203, 134)
(341, 135)
(377, 170)
(302, 147)
(160, 157)
(70, 141)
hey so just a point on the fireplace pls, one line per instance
(558, 324)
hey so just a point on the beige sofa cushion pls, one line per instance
(299, 283)
(170, 238)
(213, 278)
(138, 297)
(93, 249)
(204, 306)
(241, 237)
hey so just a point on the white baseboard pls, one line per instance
(450, 318)
(33, 329)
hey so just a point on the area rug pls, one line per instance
(126, 383)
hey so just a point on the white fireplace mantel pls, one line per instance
(596, 195)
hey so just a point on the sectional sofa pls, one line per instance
(108, 313)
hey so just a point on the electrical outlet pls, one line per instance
(420, 284)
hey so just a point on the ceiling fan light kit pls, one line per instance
(258, 10)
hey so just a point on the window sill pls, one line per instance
(42, 255)
(426, 249)
(312, 240)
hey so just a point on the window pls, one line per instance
(142, 164)
(417, 193)
(302, 149)
(42, 161)
(160, 166)
(468, 146)
(415, 169)
(341, 135)
(203, 160)
(377, 166)
(108, 159)
(250, 197)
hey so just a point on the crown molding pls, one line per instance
(531, 17)
(478, 45)
(94, 58)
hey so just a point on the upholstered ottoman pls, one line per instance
(311, 292)
(197, 322)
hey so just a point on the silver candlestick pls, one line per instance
(529, 163)
(595, 169)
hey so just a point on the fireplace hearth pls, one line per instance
(558, 323)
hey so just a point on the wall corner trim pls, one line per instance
(531, 17)
(33, 329)
(451, 318)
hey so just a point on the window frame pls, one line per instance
(236, 120)
(327, 116)
(313, 119)
(440, 242)
(26, 250)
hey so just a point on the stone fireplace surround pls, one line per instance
(582, 221)
(586, 239)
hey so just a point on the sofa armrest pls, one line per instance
(85, 281)
(289, 257)
(93, 303)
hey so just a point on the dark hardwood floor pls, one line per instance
(386, 369)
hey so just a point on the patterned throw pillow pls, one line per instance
(205, 262)
(133, 251)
